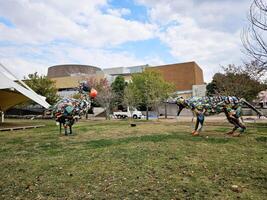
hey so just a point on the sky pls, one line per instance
(36, 34)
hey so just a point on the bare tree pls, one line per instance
(252, 69)
(255, 35)
(105, 95)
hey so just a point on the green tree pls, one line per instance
(131, 98)
(118, 87)
(235, 81)
(212, 88)
(43, 86)
(148, 88)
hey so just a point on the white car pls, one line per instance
(135, 114)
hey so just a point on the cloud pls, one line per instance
(81, 22)
(207, 32)
(22, 62)
(119, 12)
(45, 33)
(214, 14)
(187, 41)
(21, 67)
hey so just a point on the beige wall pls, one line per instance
(73, 81)
(182, 75)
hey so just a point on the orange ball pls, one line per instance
(93, 93)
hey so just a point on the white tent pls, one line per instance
(13, 93)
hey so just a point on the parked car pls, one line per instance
(135, 114)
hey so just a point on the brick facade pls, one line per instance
(182, 75)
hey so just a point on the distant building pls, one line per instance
(126, 72)
(187, 77)
(68, 77)
(183, 75)
(71, 70)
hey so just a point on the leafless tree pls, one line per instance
(252, 69)
(105, 95)
(254, 37)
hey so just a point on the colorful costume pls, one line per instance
(205, 106)
(69, 110)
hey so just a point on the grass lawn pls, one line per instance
(154, 160)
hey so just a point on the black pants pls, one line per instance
(236, 123)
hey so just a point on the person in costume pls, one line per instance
(69, 110)
(205, 106)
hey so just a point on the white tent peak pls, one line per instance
(12, 93)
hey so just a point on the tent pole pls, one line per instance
(2, 117)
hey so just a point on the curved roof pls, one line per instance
(71, 70)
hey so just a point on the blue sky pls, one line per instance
(111, 33)
(6, 22)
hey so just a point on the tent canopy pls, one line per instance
(10, 98)
(12, 93)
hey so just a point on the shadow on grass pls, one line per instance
(154, 138)
(261, 139)
(15, 141)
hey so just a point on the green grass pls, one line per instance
(154, 160)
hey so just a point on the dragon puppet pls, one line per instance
(69, 110)
(205, 106)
